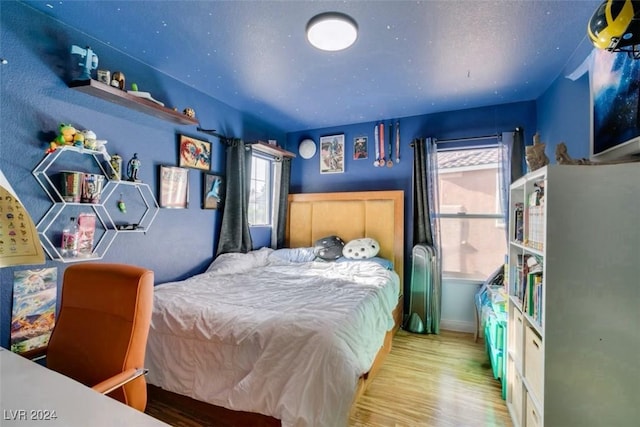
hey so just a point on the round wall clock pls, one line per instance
(307, 148)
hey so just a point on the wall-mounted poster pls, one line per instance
(332, 154)
(19, 242)
(360, 149)
(213, 186)
(34, 308)
(174, 187)
(194, 153)
(615, 99)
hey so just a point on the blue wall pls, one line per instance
(361, 175)
(563, 116)
(35, 99)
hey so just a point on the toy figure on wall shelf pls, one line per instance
(89, 63)
(66, 133)
(118, 80)
(133, 167)
(189, 112)
(116, 166)
(69, 135)
(535, 155)
(563, 158)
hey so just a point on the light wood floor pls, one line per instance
(427, 381)
(433, 381)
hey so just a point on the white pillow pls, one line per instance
(361, 248)
(236, 262)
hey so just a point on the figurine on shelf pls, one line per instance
(89, 139)
(100, 147)
(66, 135)
(89, 61)
(563, 158)
(133, 168)
(116, 166)
(118, 80)
(189, 112)
(535, 155)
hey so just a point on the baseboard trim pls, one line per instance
(457, 325)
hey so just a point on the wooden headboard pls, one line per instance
(350, 215)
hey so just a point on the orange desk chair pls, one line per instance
(101, 332)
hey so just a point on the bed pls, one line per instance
(281, 333)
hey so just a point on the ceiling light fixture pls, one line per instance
(332, 31)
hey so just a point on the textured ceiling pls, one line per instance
(411, 57)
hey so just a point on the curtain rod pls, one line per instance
(470, 138)
(213, 132)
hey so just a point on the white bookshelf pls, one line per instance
(578, 364)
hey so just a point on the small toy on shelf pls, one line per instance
(66, 135)
(121, 206)
(189, 112)
(100, 147)
(89, 139)
(118, 80)
(116, 167)
(78, 139)
(104, 76)
(133, 167)
(535, 155)
(90, 61)
(563, 158)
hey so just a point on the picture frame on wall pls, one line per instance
(194, 153)
(360, 148)
(174, 187)
(212, 191)
(332, 154)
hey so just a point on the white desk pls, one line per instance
(30, 395)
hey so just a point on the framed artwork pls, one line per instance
(332, 154)
(174, 187)
(212, 191)
(615, 105)
(194, 153)
(360, 149)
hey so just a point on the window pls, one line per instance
(261, 191)
(472, 231)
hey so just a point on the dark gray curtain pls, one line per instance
(517, 155)
(426, 264)
(283, 203)
(422, 232)
(234, 232)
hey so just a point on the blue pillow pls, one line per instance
(383, 262)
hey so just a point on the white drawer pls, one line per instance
(533, 417)
(534, 363)
(518, 325)
(514, 394)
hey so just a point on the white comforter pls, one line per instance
(260, 333)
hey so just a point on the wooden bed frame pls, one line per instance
(352, 215)
(311, 216)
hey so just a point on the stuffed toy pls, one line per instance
(329, 248)
(364, 248)
(66, 135)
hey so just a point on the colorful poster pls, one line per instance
(19, 242)
(34, 308)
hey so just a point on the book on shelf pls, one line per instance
(533, 298)
(518, 215)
